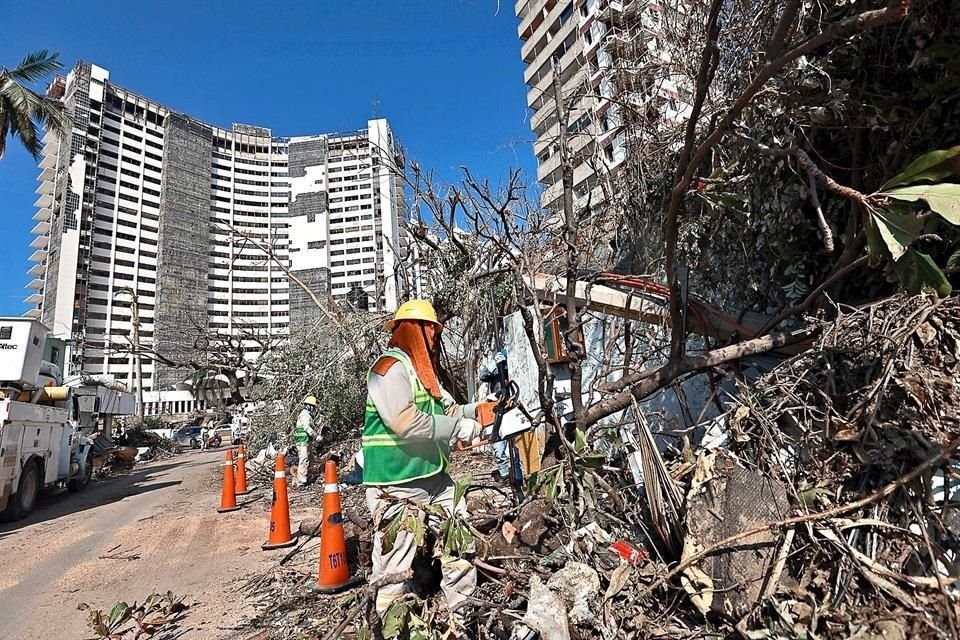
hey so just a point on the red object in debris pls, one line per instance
(628, 552)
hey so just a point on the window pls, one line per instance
(554, 326)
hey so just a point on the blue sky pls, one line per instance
(447, 73)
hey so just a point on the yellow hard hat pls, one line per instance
(311, 400)
(420, 310)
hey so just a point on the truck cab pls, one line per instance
(44, 425)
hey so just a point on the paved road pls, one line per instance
(160, 530)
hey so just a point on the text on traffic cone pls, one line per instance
(334, 570)
(242, 473)
(280, 511)
(228, 496)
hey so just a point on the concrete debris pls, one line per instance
(578, 584)
(546, 613)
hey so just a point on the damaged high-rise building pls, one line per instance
(137, 199)
(611, 59)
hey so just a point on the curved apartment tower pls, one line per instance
(201, 224)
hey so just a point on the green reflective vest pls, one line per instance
(301, 433)
(389, 459)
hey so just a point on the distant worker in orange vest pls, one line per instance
(409, 423)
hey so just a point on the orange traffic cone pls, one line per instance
(228, 497)
(242, 473)
(334, 570)
(280, 512)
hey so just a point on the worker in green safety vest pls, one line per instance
(409, 424)
(309, 427)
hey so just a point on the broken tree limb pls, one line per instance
(640, 385)
(812, 297)
(811, 517)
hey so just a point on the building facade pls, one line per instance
(158, 229)
(608, 57)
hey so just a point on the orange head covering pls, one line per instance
(411, 338)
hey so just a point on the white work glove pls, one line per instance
(467, 431)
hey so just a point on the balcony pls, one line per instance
(41, 228)
(38, 256)
(542, 94)
(40, 242)
(32, 313)
(534, 18)
(49, 161)
(568, 32)
(44, 201)
(36, 283)
(37, 270)
(33, 298)
(42, 215)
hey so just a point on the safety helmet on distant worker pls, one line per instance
(310, 400)
(417, 310)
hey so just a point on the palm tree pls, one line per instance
(23, 111)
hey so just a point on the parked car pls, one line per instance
(187, 437)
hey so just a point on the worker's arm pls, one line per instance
(393, 397)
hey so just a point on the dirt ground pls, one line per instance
(152, 530)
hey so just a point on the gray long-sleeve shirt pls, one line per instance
(392, 395)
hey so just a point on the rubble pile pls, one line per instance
(823, 504)
(878, 397)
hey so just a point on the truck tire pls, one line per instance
(80, 483)
(194, 444)
(22, 502)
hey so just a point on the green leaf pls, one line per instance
(118, 615)
(393, 528)
(896, 227)
(932, 166)
(459, 489)
(944, 198)
(918, 272)
(152, 602)
(394, 620)
(592, 462)
(953, 262)
(581, 440)
(417, 528)
(876, 247)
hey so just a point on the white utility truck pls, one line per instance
(42, 440)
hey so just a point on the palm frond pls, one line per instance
(23, 127)
(36, 66)
(18, 99)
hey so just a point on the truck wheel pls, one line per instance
(194, 444)
(79, 484)
(22, 502)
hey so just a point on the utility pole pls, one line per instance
(138, 357)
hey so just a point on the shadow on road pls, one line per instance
(139, 481)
